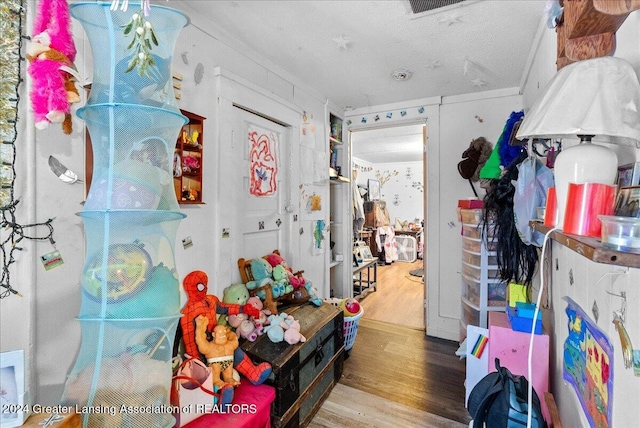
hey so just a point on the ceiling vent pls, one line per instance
(419, 6)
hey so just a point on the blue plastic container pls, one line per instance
(519, 323)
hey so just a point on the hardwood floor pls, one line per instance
(400, 370)
(399, 297)
(395, 375)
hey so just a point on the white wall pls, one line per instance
(592, 281)
(403, 192)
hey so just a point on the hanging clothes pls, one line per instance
(358, 209)
(386, 242)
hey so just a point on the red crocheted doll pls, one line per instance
(201, 303)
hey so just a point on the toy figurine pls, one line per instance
(201, 303)
(219, 352)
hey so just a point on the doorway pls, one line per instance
(394, 158)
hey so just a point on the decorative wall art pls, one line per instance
(628, 175)
(318, 237)
(307, 131)
(263, 161)
(588, 360)
(12, 393)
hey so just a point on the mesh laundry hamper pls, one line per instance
(130, 304)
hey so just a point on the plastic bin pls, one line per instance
(350, 326)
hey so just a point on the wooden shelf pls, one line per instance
(188, 185)
(591, 248)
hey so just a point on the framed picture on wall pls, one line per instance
(628, 175)
(14, 409)
(373, 187)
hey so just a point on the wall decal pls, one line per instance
(409, 173)
(417, 185)
(420, 110)
(342, 41)
(449, 20)
(385, 176)
(433, 64)
(318, 237)
(263, 161)
(389, 115)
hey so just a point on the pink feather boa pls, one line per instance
(53, 16)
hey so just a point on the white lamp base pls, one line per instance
(584, 163)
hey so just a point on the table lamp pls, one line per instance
(596, 99)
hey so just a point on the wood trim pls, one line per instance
(591, 248)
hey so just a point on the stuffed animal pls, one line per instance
(247, 330)
(236, 294)
(219, 352)
(51, 54)
(313, 296)
(292, 333)
(274, 330)
(201, 303)
(262, 272)
(235, 320)
(190, 163)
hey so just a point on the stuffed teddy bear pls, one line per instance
(262, 272)
(247, 330)
(235, 320)
(261, 320)
(292, 333)
(235, 294)
(201, 303)
(274, 330)
(51, 54)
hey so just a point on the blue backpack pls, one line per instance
(499, 400)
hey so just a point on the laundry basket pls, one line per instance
(350, 326)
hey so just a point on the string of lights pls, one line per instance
(12, 15)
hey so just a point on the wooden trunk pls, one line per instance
(303, 374)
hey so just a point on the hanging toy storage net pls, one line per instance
(130, 294)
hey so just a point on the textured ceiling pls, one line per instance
(348, 49)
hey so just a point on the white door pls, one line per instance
(255, 186)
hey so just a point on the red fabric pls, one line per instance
(258, 397)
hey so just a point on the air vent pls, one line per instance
(419, 6)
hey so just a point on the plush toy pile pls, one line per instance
(273, 270)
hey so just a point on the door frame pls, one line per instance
(233, 92)
(425, 126)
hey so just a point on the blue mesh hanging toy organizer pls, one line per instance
(130, 303)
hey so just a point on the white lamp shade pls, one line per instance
(599, 97)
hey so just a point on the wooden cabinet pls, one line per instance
(187, 160)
